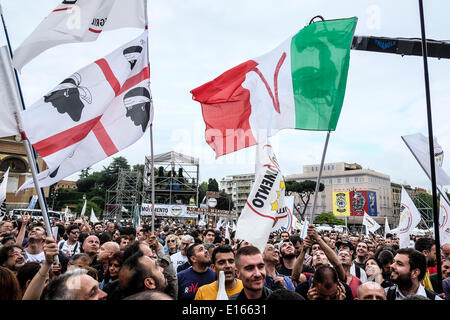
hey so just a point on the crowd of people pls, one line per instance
(116, 261)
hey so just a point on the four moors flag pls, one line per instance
(79, 21)
(96, 112)
(265, 204)
(300, 84)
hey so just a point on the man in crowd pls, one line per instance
(199, 274)
(284, 235)
(34, 252)
(222, 260)
(371, 291)
(355, 270)
(180, 257)
(140, 273)
(362, 254)
(210, 235)
(71, 246)
(325, 285)
(445, 250)
(352, 281)
(91, 247)
(275, 280)
(251, 270)
(408, 270)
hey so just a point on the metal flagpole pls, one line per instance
(318, 178)
(431, 147)
(32, 159)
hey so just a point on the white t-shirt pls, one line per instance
(40, 257)
(178, 259)
(68, 249)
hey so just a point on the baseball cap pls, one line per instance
(346, 244)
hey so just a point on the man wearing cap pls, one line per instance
(355, 270)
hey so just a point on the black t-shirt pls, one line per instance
(288, 272)
(361, 265)
(303, 288)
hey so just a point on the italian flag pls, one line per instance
(300, 85)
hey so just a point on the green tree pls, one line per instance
(202, 188)
(305, 190)
(213, 185)
(89, 205)
(328, 218)
(225, 202)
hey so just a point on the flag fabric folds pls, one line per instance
(93, 217)
(3, 185)
(370, 224)
(444, 222)
(83, 211)
(300, 84)
(419, 147)
(386, 226)
(409, 219)
(286, 223)
(10, 102)
(265, 204)
(79, 21)
(83, 120)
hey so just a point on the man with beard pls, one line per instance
(288, 257)
(139, 273)
(222, 260)
(408, 270)
(428, 248)
(251, 270)
(12, 257)
(199, 274)
(275, 280)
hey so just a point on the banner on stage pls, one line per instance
(167, 210)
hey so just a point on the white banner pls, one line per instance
(370, 223)
(409, 219)
(286, 221)
(265, 203)
(167, 210)
(3, 186)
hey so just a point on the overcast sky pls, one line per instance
(194, 41)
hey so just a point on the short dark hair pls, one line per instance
(417, 260)
(135, 283)
(191, 250)
(385, 257)
(294, 239)
(72, 227)
(209, 230)
(424, 244)
(325, 275)
(27, 272)
(246, 251)
(220, 249)
(285, 294)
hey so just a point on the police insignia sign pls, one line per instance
(341, 203)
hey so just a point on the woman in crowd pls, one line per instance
(114, 265)
(374, 271)
(172, 244)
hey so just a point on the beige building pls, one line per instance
(239, 187)
(13, 155)
(341, 176)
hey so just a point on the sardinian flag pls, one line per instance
(265, 204)
(83, 120)
(80, 21)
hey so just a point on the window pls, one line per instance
(339, 180)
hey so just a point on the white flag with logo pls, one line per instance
(285, 222)
(265, 203)
(419, 146)
(370, 223)
(3, 186)
(83, 120)
(83, 211)
(409, 219)
(444, 222)
(93, 217)
(386, 226)
(79, 21)
(10, 103)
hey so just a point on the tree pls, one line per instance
(213, 185)
(85, 172)
(141, 168)
(202, 188)
(305, 190)
(328, 218)
(224, 202)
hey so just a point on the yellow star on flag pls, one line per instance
(278, 194)
(275, 206)
(282, 186)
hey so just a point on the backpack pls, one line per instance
(390, 294)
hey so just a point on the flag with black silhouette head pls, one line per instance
(113, 97)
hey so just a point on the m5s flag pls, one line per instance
(300, 85)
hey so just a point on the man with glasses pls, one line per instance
(12, 257)
(71, 246)
(180, 257)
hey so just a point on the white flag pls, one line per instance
(10, 103)
(227, 232)
(444, 222)
(285, 222)
(83, 211)
(219, 224)
(79, 21)
(386, 227)
(83, 120)
(409, 219)
(265, 202)
(418, 145)
(93, 217)
(66, 218)
(3, 186)
(234, 227)
(370, 223)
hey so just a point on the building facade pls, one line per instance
(239, 187)
(66, 184)
(13, 156)
(341, 176)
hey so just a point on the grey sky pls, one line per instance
(194, 41)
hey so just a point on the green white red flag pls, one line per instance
(300, 84)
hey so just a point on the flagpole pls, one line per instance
(34, 166)
(431, 146)
(318, 178)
